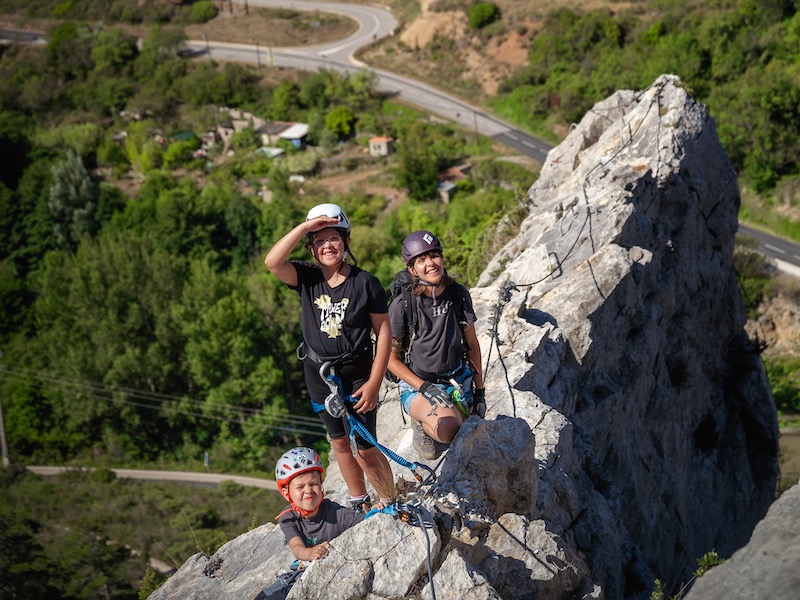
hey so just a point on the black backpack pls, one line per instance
(401, 284)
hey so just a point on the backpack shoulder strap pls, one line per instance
(459, 299)
(409, 313)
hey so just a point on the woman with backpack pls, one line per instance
(342, 306)
(435, 351)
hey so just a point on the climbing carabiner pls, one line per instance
(333, 403)
(431, 478)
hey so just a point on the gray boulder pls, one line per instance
(768, 567)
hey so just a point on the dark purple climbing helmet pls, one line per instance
(418, 243)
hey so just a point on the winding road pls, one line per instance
(375, 24)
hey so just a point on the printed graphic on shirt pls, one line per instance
(331, 314)
(441, 309)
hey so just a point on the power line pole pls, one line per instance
(3, 445)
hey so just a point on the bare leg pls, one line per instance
(441, 423)
(351, 469)
(378, 471)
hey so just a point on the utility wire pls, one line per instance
(84, 385)
(171, 404)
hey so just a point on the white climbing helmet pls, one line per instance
(333, 211)
(296, 461)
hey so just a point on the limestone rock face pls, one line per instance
(768, 566)
(630, 427)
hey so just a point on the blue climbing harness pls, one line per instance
(334, 405)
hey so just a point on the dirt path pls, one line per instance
(364, 181)
(180, 476)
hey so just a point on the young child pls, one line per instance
(444, 352)
(342, 307)
(310, 521)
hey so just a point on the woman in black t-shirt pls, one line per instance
(342, 306)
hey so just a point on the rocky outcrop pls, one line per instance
(630, 427)
(768, 566)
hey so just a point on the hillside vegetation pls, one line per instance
(739, 57)
(90, 535)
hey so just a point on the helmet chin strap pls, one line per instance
(424, 283)
(300, 511)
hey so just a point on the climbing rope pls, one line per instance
(334, 404)
(358, 427)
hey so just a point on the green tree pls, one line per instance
(341, 121)
(14, 300)
(285, 100)
(302, 163)
(26, 218)
(113, 52)
(72, 200)
(129, 343)
(417, 170)
(202, 11)
(758, 120)
(111, 94)
(68, 49)
(23, 563)
(81, 138)
(160, 46)
(141, 148)
(180, 152)
(14, 146)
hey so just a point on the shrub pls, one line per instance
(202, 11)
(483, 14)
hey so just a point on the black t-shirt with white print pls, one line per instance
(336, 320)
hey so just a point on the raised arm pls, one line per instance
(277, 259)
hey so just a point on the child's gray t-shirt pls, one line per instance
(331, 520)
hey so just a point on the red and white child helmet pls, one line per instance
(296, 461)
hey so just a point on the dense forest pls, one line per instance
(740, 57)
(138, 325)
(144, 327)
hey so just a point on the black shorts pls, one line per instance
(337, 428)
(353, 376)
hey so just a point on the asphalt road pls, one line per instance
(171, 476)
(786, 254)
(375, 24)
